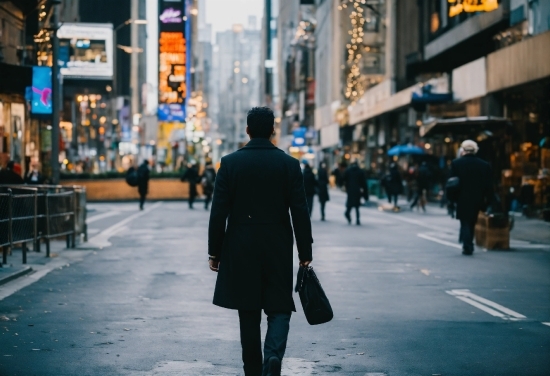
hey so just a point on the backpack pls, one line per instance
(132, 178)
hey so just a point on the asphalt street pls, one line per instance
(136, 300)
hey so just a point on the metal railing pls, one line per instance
(40, 213)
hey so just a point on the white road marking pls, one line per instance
(481, 306)
(426, 272)
(546, 323)
(440, 241)
(101, 216)
(102, 239)
(486, 305)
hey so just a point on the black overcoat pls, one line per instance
(356, 185)
(192, 177)
(475, 177)
(310, 183)
(143, 179)
(322, 185)
(250, 227)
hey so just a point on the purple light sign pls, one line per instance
(171, 15)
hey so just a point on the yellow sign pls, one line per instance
(172, 68)
(471, 6)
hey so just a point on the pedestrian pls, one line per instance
(191, 176)
(422, 186)
(250, 240)
(338, 176)
(475, 191)
(356, 187)
(33, 176)
(322, 188)
(208, 179)
(393, 185)
(310, 186)
(143, 182)
(9, 176)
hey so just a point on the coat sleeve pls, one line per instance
(221, 204)
(300, 214)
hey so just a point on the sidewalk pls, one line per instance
(37, 261)
(525, 229)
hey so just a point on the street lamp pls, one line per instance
(124, 48)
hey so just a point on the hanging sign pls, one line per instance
(457, 7)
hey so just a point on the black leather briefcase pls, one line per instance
(314, 300)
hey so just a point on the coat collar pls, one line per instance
(259, 143)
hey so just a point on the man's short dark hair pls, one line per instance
(260, 121)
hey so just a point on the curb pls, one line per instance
(15, 275)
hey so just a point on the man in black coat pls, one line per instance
(356, 187)
(310, 186)
(475, 187)
(322, 187)
(191, 176)
(143, 182)
(250, 240)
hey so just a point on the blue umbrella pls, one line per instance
(405, 150)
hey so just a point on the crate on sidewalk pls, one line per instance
(493, 231)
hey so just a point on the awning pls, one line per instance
(463, 125)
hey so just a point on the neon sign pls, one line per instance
(171, 15)
(172, 67)
(471, 6)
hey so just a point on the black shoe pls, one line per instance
(348, 217)
(358, 223)
(274, 366)
(467, 251)
(323, 219)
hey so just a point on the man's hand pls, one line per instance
(214, 265)
(305, 264)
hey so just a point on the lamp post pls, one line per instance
(56, 93)
(115, 31)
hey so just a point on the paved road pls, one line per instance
(406, 302)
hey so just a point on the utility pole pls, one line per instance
(134, 89)
(56, 93)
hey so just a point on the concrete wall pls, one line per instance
(118, 190)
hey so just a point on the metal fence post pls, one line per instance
(75, 206)
(47, 225)
(35, 221)
(10, 226)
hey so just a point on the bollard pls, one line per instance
(4, 255)
(24, 252)
(47, 225)
(47, 247)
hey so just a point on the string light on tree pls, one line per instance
(355, 87)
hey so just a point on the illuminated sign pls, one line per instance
(171, 15)
(172, 68)
(41, 98)
(471, 6)
(86, 50)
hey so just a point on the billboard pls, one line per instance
(41, 95)
(86, 50)
(171, 112)
(172, 53)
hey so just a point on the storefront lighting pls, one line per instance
(419, 123)
(219, 142)
(427, 146)
(204, 142)
(108, 88)
(447, 139)
(244, 80)
(236, 70)
(79, 98)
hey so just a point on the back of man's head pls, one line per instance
(260, 121)
(469, 147)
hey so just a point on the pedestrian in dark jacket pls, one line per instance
(393, 184)
(250, 240)
(191, 176)
(322, 188)
(475, 190)
(9, 176)
(310, 186)
(423, 180)
(356, 187)
(34, 176)
(143, 182)
(208, 179)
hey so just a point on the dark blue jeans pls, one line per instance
(278, 324)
